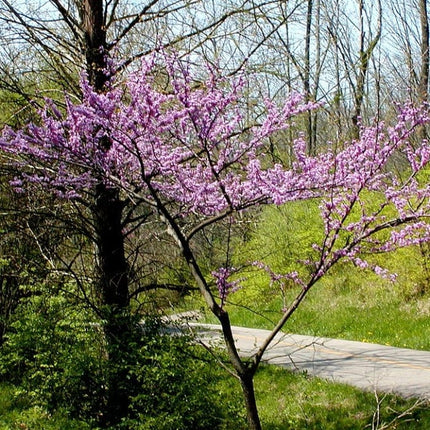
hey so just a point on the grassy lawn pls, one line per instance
(297, 401)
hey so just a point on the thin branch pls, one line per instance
(157, 286)
(132, 24)
(68, 19)
(183, 37)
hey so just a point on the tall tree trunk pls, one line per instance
(10, 294)
(111, 265)
(365, 55)
(425, 54)
(307, 77)
(422, 98)
(95, 43)
(111, 262)
(316, 75)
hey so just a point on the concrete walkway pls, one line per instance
(367, 366)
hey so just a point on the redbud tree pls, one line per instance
(184, 152)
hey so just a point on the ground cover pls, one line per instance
(286, 400)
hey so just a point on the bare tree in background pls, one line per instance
(425, 55)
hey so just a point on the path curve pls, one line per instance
(368, 366)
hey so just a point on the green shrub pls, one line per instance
(54, 353)
(17, 413)
(282, 239)
(56, 356)
(179, 386)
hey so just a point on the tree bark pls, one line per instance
(307, 78)
(95, 44)
(111, 262)
(365, 55)
(425, 55)
(247, 383)
(112, 281)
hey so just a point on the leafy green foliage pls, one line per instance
(284, 235)
(54, 352)
(18, 413)
(56, 356)
(179, 387)
(287, 401)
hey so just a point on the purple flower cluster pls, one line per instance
(225, 287)
(186, 141)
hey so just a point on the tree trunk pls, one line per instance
(10, 294)
(365, 55)
(425, 55)
(307, 78)
(247, 383)
(95, 43)
(111, 262)
(112, 283)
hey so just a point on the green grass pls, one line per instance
(286, 400)
(17, 413)
(296, 401)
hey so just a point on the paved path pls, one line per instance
(368, 366)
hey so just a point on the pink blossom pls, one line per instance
(225, 287)
(188, 149)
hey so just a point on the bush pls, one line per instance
(56, 355)
(179, 388)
